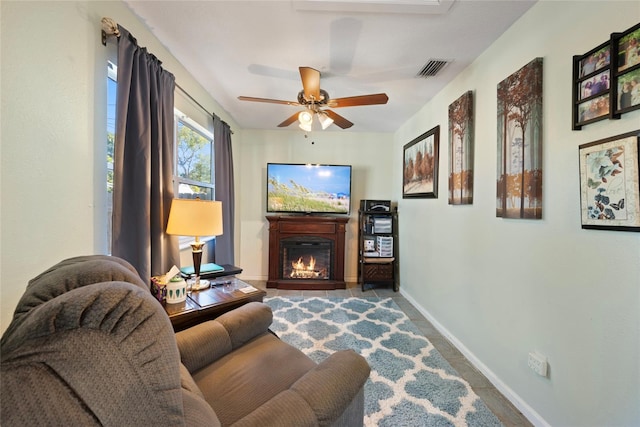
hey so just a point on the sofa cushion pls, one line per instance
(197, 411)
(203, 343)
(187, 382)
(240, 382)
(246, 322)
(206, 342)
(278, 412)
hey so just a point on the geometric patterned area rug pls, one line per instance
(410, 384)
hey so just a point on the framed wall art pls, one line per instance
(461, 132)
(609, 190)
(592, 86)
(627, 71)
(606, 80)
(519, 153)
(420, 166)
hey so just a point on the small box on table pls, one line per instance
(159, 288)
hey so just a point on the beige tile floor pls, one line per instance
(506, 412)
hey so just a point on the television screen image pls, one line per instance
(300, 188)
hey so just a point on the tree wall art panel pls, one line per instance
(461, 133)
(519, 157)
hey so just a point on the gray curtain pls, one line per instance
(143, 161)
(224, 190)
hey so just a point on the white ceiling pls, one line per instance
(361, 47)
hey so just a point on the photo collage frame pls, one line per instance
(606, 79)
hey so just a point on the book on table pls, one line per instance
(205, 269)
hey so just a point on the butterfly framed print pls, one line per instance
(609, 190)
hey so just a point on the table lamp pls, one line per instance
(197, 218)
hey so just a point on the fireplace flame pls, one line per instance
(302, 270)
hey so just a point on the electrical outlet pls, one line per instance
(538, 363)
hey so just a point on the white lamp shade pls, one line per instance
(194, 217)
(305, 127)
(305, 117)
(325, 120)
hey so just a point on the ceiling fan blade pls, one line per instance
(290, 120)
(270, 101)
(310, 83)
(338, 120)
(353, 101)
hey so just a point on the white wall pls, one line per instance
(502, 288)
(53, 133)
(370, 155)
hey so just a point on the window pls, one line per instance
(112, 73)
(193, 169)
(193, 144)
(194, 173)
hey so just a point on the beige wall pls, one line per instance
(502, 288)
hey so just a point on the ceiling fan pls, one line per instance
(316, 101)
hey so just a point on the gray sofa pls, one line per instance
(89, 345)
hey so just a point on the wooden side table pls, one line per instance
(210, 303)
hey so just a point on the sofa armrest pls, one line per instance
(106, 342)
(70, 274)
(205, 343)
(320, 397)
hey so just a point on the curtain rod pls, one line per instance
(200, 105)
(110, 28)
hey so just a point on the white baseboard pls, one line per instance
(506, 391)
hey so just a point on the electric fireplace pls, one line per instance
(306, 252)
(306, 257)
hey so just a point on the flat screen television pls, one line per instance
(308, 188)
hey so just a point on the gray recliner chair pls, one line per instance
(89, 345)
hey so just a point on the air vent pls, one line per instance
(432, 67)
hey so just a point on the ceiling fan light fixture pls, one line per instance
(305, 118)
(305, 127)
(325, 120)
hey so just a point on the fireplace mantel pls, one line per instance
(287, 226)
